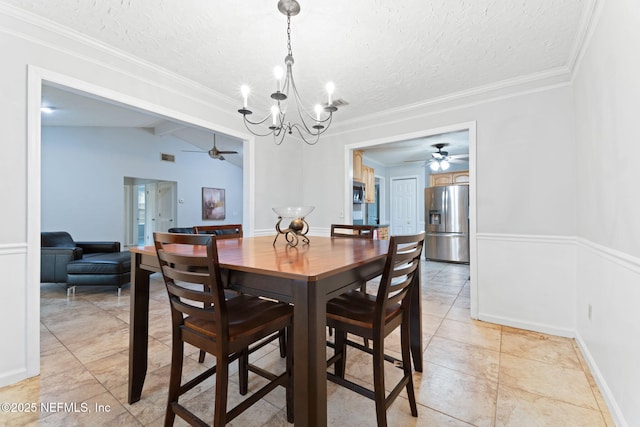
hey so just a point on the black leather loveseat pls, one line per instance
(64, 260)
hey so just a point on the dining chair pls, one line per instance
(227, 328)
(374, 317)
(225, 231)
(352, 231)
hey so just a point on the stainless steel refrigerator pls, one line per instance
(447, 223)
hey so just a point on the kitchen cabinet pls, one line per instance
(357, 166)
(449, 178)
(382, 232)
(369, 184)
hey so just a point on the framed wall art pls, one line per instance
(213, 203)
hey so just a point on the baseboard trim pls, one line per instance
(528, 326)
(13, 377)
(607, 395)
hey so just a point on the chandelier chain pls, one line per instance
(289, 35)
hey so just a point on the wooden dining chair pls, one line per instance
(224, 231)
(226, 328)
(232, 231)
(374, 317)
(352, 231)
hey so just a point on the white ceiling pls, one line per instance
(380, 54)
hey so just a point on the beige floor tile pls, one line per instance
(469, 359)
(84, 358)
(465, 397)
(553, 381)
(518, 408)
(541, 347)
(476, 333)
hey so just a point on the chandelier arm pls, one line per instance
(309, 142)
(277, 135)
(256, 133)
(258, 122)
(300, 104)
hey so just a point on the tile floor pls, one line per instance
(476, 373)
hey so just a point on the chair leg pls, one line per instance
(406, 367)
(378, 382)
(243, 372)
(201, 356)
(282, 341)
(177, 355)
(222, 382)
(340, 348)
(289, 392)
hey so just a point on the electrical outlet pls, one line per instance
(589, 311)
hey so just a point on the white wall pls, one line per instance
(84, 167)
(607, 104)
(33, 50)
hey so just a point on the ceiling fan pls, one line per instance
(214, 153)
(441, 160)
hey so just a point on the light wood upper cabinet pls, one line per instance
(358, 172)
(369, 184)
(449, 178)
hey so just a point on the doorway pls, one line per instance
(150, 205)
(404, 139)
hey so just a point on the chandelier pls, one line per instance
(310, 126)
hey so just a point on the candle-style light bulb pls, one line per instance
(244, 89)
(274, 113)
(277, 71)
(330, 88)
(318, 109)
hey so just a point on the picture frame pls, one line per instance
(213, 203)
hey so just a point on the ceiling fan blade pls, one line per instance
(220, 157)
(459, 156)
(227, 152)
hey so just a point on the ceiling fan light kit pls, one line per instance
(310, 126)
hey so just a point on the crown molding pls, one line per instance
(94, 44)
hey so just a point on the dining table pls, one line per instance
(306, 276)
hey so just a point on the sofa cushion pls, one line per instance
(109, 263)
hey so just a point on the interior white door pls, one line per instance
(404, 199)
(166, 206)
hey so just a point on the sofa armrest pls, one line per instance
(53, 263)
(98, 247)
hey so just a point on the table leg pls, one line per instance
(416, 321)
(138, 328)
(310, 366)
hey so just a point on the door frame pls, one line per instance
(473, 249)
(36, 78)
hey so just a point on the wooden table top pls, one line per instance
(323, 257)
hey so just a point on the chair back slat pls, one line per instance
(193, 282)
(403, 260)
(352, 231)
(224, 231)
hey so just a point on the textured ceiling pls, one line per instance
(381, 55)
